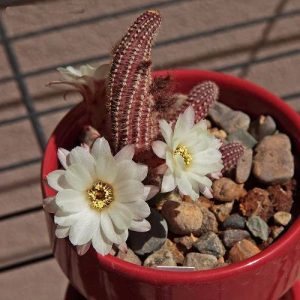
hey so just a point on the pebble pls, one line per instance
(204, 202)
(242, 136)
(129, 256)
(262, 126)
(226, 190)
(209, 243)
(162, 257)
(228, 119)
(243, 250)
(243, 166)
(152, 240)
(234, 221)
(186, 241)
(209, 222)
(162, 198)
(276, 231)
(232, 236)
(200, 261)
(282, 218)
(218, 133)
(258, 227)
(182, 217)
(222, 211)
(273, 161)
(177, 255)
(257, 202)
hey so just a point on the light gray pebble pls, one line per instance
(162, 257)
(282, 218)
(234, 221)
(200, 261)
(129, 256)
(243, 166)
(243, 137)
(262, 126)
(232, 236)
(258, 227)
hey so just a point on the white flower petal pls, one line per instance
(142, 171)
(82, 231)
(140, 226)
(62, 155)
(54, 179)
(128, 169)
(100, 148)
(107, 227)
(71, 200)
(80, 155)
(62, 232)
(83, 249)
(207, 192)
(168, 183)
(64, 219)
(126, 153)
(159, 148)
(166, 131)
(150, 191)
(186, 188)
(49, 205)
(106, 168)
(121, 216)
(101, 244)
(139, 209)
(78, 177)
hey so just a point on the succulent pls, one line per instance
(231, 153)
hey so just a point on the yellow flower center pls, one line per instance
(100, 195)
(184, 153)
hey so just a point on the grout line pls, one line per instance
(25, 262)
(26, 99)
(21, 164)
(21, 212)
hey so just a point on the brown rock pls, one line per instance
(129, 256)
(200, 261)
(162, 198)
(161, 257)
(177, 255)
(186, 241)
(281, 197)
(218, 133)
(273, 162)
(182, 217)
(204, 202)
(243, 250)
(276, 231)
(209, 222)
(222, 211)
(243, 166)
(226, 190)
(257, 203)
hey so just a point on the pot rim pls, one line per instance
(135, 272)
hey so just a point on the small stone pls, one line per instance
(282, 218)
(204, 202)
(281, 197)
(257, 203)
(261, 127)
(234, 221)
(152, 240)
(243, 137)
(232, 236)
(162, 257)
(273, 161)
(222, 211)
(209, 243)
(129, 256)
(258, 227)
(276, 231)
(226, 190)
(243, 250)
(162, 198)
(243, 166)
(200, 261)
(182, 217)
(177, 255)
(228, 119)
(266, 244)
(209, 222)
(186, 241)
(218, 133)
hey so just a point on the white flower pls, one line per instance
(191, 154)
(100, 196)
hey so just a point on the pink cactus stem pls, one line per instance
(230, 155)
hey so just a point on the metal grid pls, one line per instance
(33, 116)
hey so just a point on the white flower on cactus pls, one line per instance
(99, 196)
(191, 154)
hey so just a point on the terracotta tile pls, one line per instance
(20, 189)
(5, 69)
(18, 143)
(43, 281)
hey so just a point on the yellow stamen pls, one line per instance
(100, 195)
(184, 153)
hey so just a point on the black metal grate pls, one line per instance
(33, 116)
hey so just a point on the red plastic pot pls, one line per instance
(265, 276)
